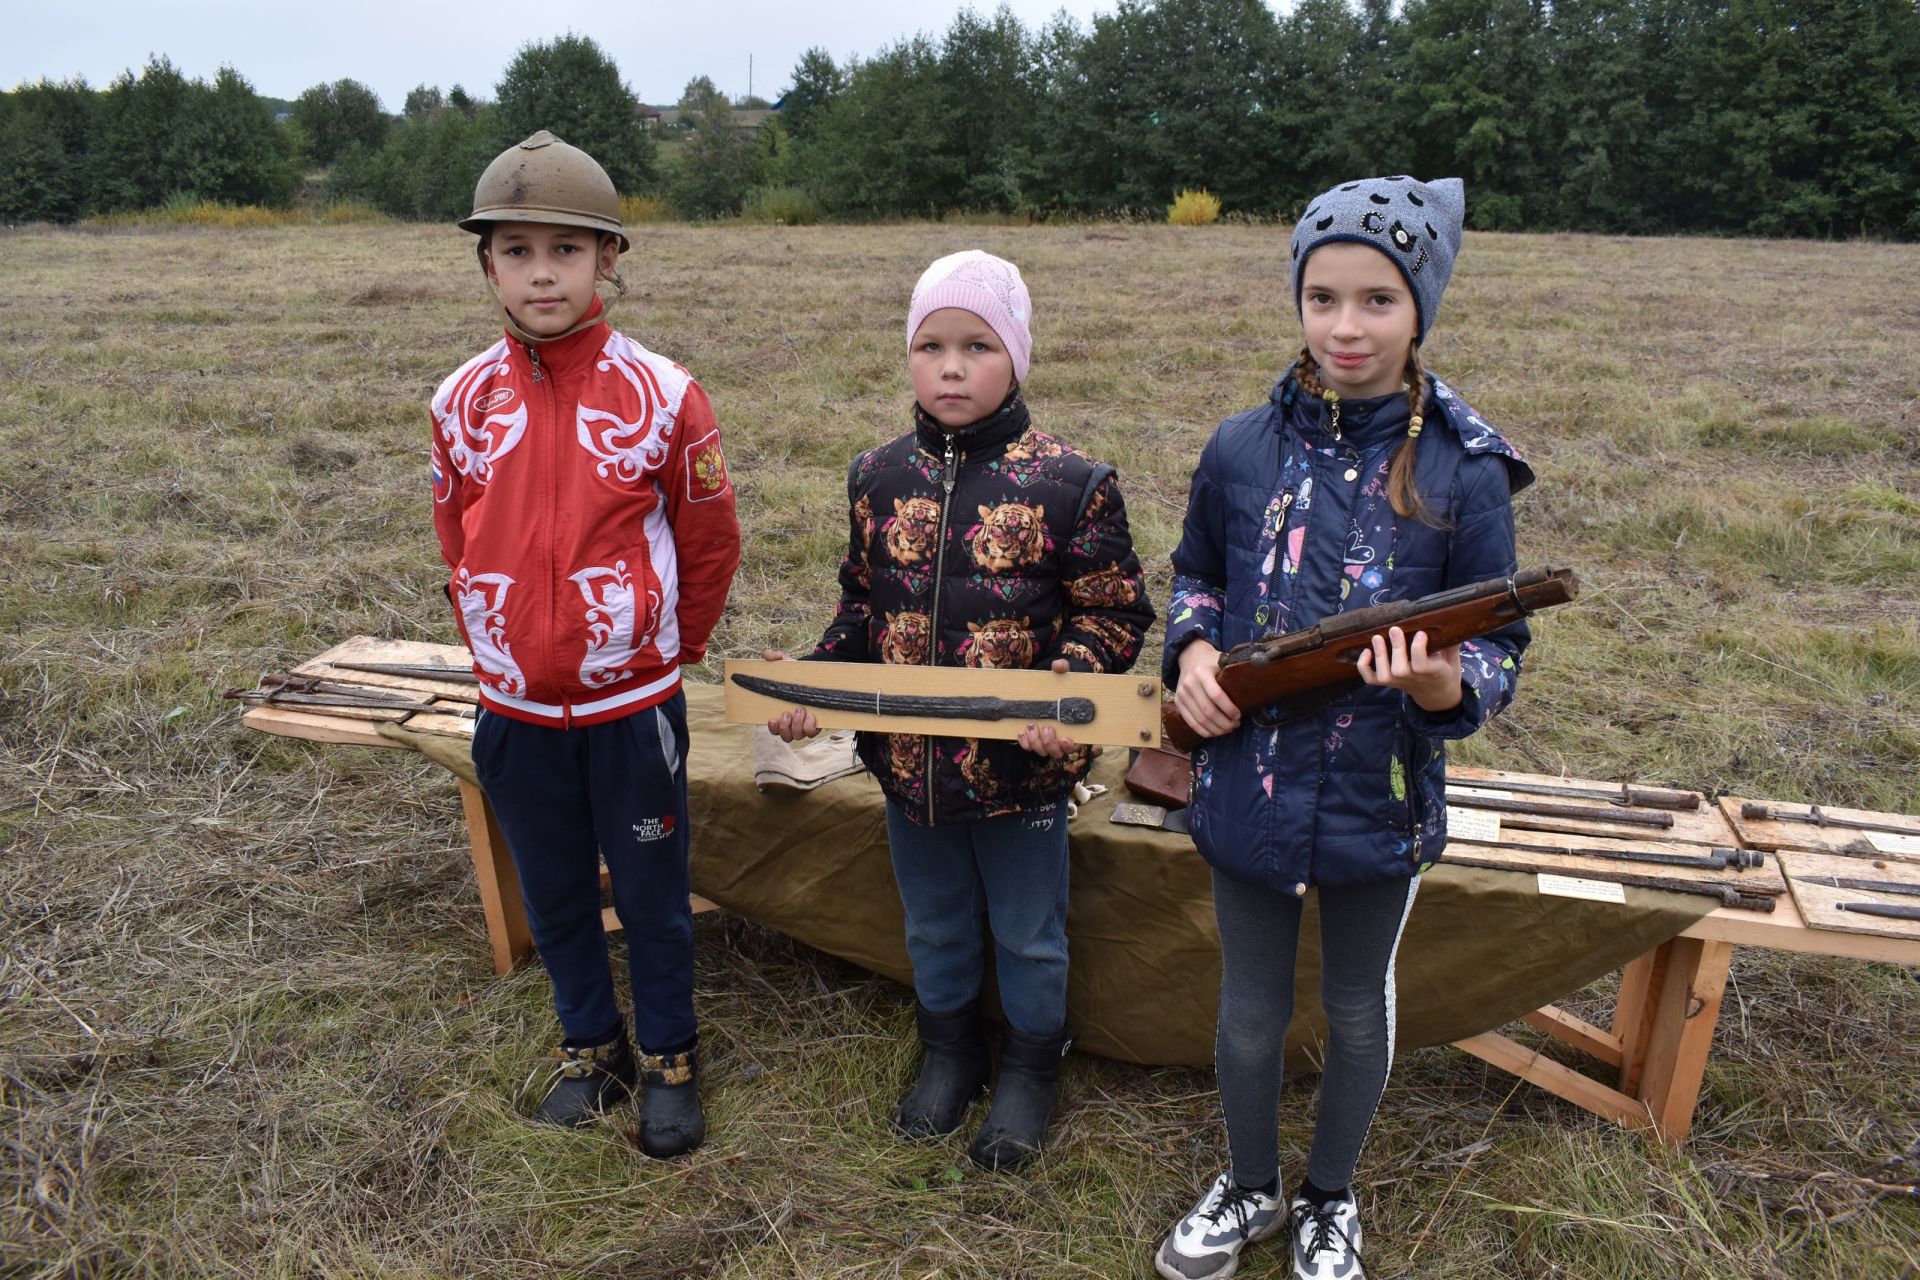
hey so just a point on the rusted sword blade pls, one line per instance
(1062, 710)
(1887, 909)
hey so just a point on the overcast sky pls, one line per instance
(393, 46)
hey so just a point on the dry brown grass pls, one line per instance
(246, 1024)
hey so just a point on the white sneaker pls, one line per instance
(1326, 1240)
(1207, 1243)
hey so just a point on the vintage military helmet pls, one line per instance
(542, 179)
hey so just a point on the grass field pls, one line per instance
(247, 1027)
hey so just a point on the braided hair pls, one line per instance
(1402, 492)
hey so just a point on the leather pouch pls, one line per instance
(1161, 775)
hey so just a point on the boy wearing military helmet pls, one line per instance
(584, 511)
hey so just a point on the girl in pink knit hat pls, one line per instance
(977, 540)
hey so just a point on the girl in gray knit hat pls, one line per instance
(1384, 485)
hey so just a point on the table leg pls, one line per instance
(499, 882)
(1561, 1081)
(1633, 1011)
(1686, 1008)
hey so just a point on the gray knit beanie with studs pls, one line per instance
(1417, 224)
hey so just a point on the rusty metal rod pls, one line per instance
(1625, 794)
(286, 698)
(1885, 909)
(417, 670)
(1816, 817)
(1718, 860)
(1871, 886)
(1727, 894)
(284, 683)
(1576, 812)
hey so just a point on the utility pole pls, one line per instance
(749, 76)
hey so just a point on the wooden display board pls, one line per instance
(1126, 709)
(1884, 835)
(409, 652)
(1509, 850)
(1819, 903)
(356, 725)
(1582, 815)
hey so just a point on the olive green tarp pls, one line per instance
(1481, 947)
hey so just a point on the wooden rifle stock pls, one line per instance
(1321, 659)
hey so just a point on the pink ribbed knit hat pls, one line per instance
(989, 287)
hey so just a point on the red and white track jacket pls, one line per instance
(583, 505)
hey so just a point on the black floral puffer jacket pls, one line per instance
(991, 546)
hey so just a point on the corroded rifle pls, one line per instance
(1304, 670)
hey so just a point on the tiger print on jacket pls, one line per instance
(1031, 559)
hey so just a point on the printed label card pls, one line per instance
(1574, 887)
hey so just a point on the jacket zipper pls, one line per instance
(1416, 803)
(949, 473)
(552, 513)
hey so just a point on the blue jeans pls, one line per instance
(1014, 870)
(567, 797)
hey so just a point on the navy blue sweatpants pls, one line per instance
(566, 797)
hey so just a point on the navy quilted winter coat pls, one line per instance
(1287, 524)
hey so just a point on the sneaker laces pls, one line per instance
(1237, 1201)
(1322, 1232)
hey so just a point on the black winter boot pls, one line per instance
(671, 1123)
(952, 1072)
(589, 1080)
(1016, 1125)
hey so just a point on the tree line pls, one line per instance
(1769, 117)
(1764, 117)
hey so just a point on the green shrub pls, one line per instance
(1492, 211)
(784, 206)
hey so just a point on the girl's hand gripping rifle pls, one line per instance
(1304, 670)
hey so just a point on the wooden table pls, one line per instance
(1655, 1047)
(1664, 1017)
(493, 870)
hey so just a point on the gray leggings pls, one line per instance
(1360, 928)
